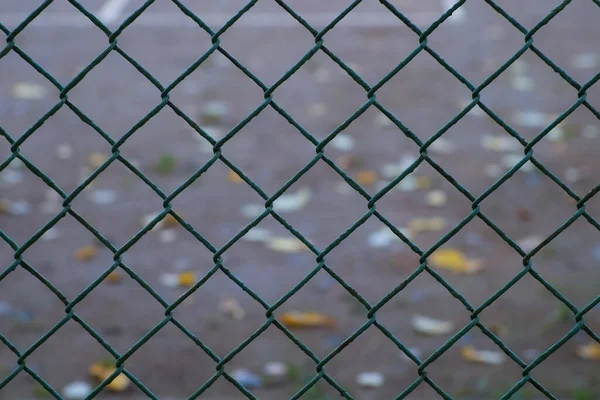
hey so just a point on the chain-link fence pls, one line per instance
(321, 149)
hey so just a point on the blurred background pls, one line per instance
(218, 96)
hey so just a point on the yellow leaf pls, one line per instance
(434, 224)
(471, 354)
(590, 351)
(169, 221)
(285, 245)
(423, 182)
(454, 260)
(95, 160)
(187, 279)
(114, 277)
(298, 319)
(101, 372)
(233, 177)
(366, 177)
(86, 253)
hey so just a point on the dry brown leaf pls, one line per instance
(234, 177)
(95, 160)
(299, 319)
(86, 253)
(366, 177)
(454, 260)
(489, 357)
(187, 279)
(590, 351)
(101, 372)
(169, 221)
(114, 277)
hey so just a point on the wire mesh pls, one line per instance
(421, 41)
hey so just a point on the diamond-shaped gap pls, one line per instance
(21, 192)
(171, 356)
(475, 56)
(67, 356)
(529, 95)
(378, 354)
(35, 42)
(169, 258)
(69, 256)
(101, 97)
(108, 202)
(321, 219)
(164, 150)
(26, 95)
(228, 204)
(273, 346)
(538, 206)
(373, 261)
(423, 108)
(29, 308)
(370, 52)
(575, 52)
(462, 378)
(423, 299)
(320, 95)
(431, 206)
(120, 310)
(63, 147)
(528, 16)
(566, 374)
(269, 151)
(289, 47)
(569, 262)
(175, 43)
(510, 317)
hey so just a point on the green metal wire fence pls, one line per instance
(421, 45)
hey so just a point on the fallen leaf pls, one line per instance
(298, 319)
(530, 242)
(86, 253)
(349, 161)
(434, 224)
(102, 371)
(489, 357)
(431, 326)
(454, 260)
(169, 221)
(366, 177)
(28, 91)
(500, 143)
(285, 245)
(114, 277)
(232, 308)
(370, 380)
(342, 142)
(233, 177)
(187, 279)
(436, 198)
(590, 351)
(95, 160)
(524, 214)
(293, 201)
(423, 182)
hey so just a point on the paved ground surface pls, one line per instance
(320, 96)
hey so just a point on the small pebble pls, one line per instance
(275, 369)
(246, 378)
(77, 390)
(572, 175)
(436, 198)
(167, 236)
(103, 196)
(64, 151)
(370, 379)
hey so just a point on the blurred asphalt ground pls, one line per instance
(320, 96)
